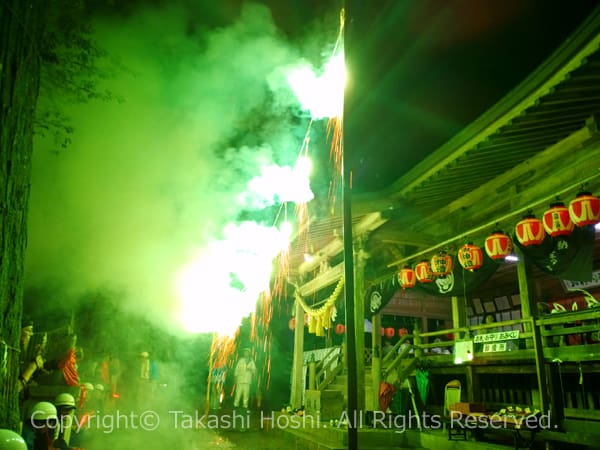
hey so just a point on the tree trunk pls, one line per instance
(21, 29)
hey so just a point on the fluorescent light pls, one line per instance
(511, 258)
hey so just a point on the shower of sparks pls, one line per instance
(335, 125)
(222, 284)
(323, 96)
(261, 335)
(222, 351)
(334, 129)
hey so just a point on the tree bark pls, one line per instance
(21, 30)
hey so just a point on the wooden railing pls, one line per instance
(585, 325)
(329, 367)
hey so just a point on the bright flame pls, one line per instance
(280, 184)
(322, 96)
(223, 282)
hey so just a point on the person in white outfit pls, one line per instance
(245, 370)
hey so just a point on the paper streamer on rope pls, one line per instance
(319, 319)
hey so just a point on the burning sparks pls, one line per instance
(321, 95)
(280, 184)
(223, 282)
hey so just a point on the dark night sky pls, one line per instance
(427, 68)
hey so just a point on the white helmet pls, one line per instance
(88, 386)
(65, 399)
(99, 387)
(43, 411)
(9, 440)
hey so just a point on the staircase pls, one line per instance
(332, 377)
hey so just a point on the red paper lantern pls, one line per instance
(340, 328)
(423, 272)
(498, 245)
(402, 332)
(441, 264)
(292, 323)
(382, 331)
(530, 231)
(470, 257)
(407, 278)
(557, 221)
(585, 209)
(390, 332)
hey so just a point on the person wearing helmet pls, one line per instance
(86, 411)
(9, 440)
(40, 429)
(65, 406)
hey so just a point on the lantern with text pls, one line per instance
(470, 257)
(585, 209)
(530, 231)
(407, 278)
(292, 323)
(557, 221)
(441, 264)
(423, 272)
(340, 328)
(390, 332)
(498, 245)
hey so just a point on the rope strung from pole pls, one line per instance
(320, 318)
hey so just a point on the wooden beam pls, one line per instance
(366, 225)
(568, 58)
(592, 178)
(493, 192)
(322, 280)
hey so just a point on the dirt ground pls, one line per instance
(179, 430)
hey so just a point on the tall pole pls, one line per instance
(297, 385)
(349, 267)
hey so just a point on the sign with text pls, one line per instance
(494, 347)
(495, 337)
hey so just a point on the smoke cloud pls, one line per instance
(147, 185)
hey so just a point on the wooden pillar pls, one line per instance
(297, 362)
(376, 363)
(360, 260)
(417, 340)
(527, 306)
(459, 314)
(529, 311)
(312, 374)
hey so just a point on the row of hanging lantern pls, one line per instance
(340, 328)
(557, 221)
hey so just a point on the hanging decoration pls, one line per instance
(390, 332)
(402, 332)
(423, 272)
(530, 231)
(319, 319)
(340, 328)
(380, 294)
(557, 221)
(441, 264)
(498, 245)
(292, 323)
(470, 257)
(407, 278)
(585, 209)
(570, 257)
